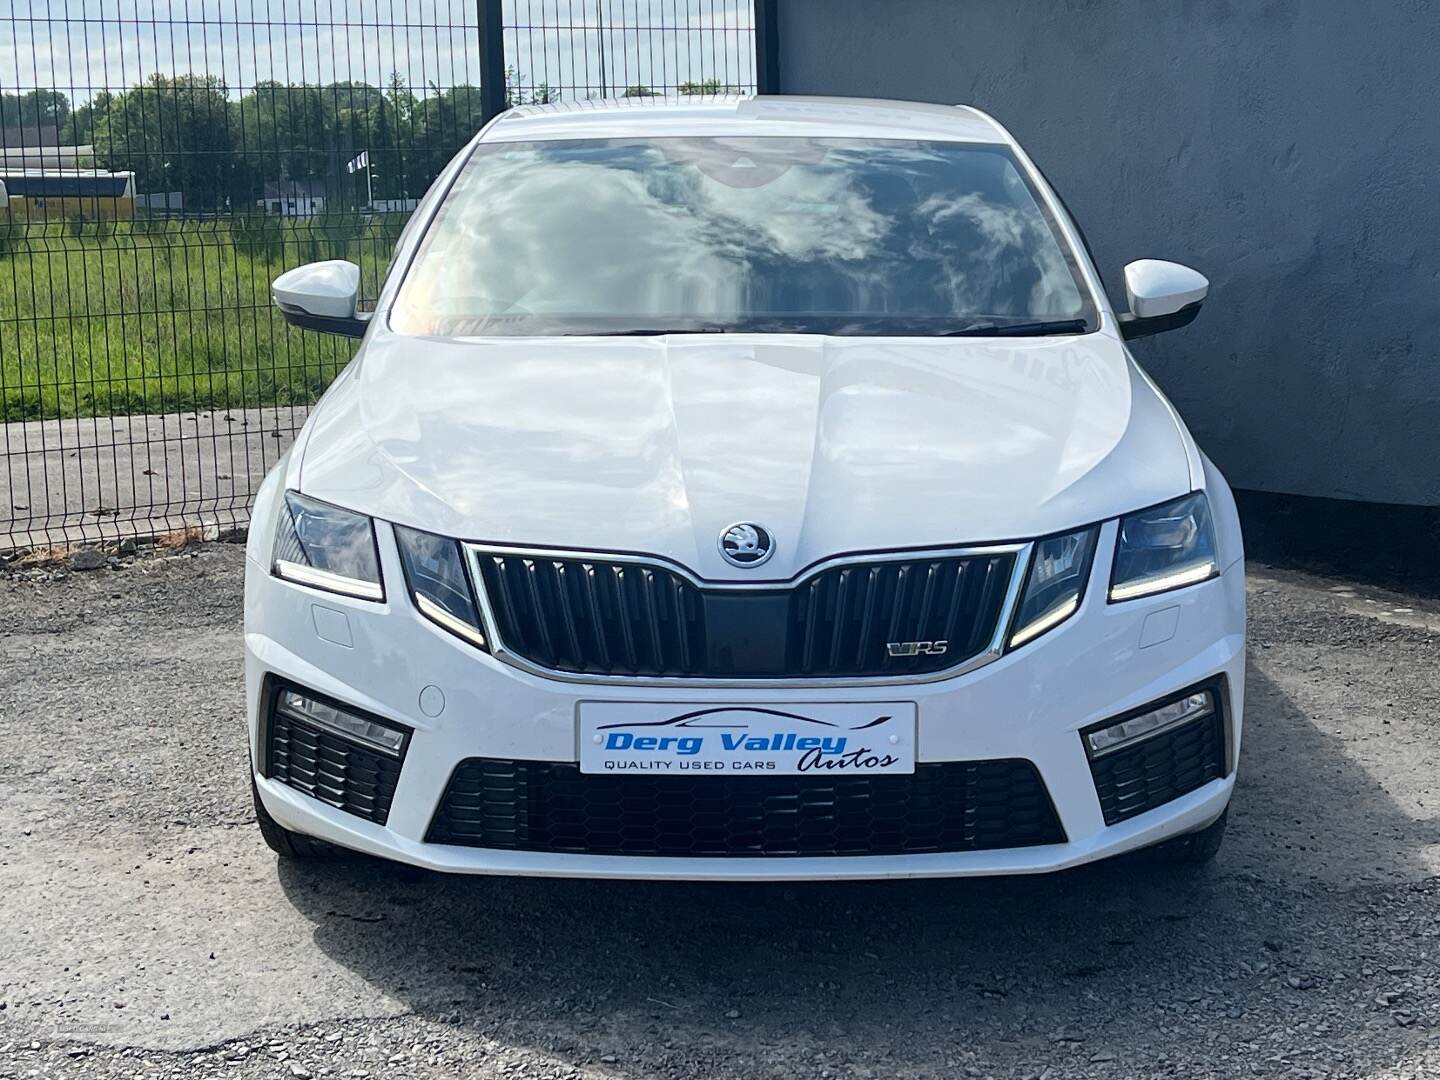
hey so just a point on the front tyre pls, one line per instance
(287, 844)
(1194, 849)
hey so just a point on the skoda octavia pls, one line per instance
(744, 489)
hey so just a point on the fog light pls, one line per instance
(1105, 740)
(348, 725)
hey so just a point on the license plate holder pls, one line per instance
(830, 739)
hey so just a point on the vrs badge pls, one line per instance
(917, 648)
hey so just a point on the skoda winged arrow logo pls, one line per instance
(746, 544)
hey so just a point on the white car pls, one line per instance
(744, 489)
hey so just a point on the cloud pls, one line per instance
(85, 46)
(719, 228)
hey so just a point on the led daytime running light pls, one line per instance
(1136, 729)
(1163, 582)
(1054, 617)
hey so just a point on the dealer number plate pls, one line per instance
(844, 739)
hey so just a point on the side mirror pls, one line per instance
(4, 197)
(321, 296)
(1163, 296)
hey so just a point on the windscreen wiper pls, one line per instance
(1029, 329)
(642, 331)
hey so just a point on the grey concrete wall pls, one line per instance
(1289, 149)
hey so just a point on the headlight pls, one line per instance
(1163, 548)
(435, 572)
(325, 547)
(1059, 568)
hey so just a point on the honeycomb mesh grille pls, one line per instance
(1153, 772)
(334, 770)
(543, 806)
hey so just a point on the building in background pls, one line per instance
(39, 148)
(161, 202)
(1287, 150)
(47, 181)
(394, 206)
(294, 198)
(50, 195)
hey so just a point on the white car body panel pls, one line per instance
(653, 445)
(835, 444)
(1028, 704)
(831, 117)
(1156, 287)
(325, 288)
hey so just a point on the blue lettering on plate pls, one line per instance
(686, 745)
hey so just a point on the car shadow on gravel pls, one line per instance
(1101, 954)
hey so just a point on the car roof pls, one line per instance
(832, 117)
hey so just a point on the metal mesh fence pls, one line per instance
(164, 160)
(571, 51)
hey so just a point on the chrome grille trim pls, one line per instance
(508, 655)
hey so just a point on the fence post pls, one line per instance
(492, 60)
(767, 47)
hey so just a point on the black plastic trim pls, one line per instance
(1215, 684)
(354, 327)
(552, 807)
(1133, 326)
(637, 619)
(270, 692)
(1102, 765)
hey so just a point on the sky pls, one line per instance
(83, 46)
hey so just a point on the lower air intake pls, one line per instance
(328, 767)
(1154, 771)
(543, 806)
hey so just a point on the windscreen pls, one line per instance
(772, 234)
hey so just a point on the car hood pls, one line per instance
(657, 444)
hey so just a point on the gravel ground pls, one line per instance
(147, 931)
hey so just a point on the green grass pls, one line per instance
(99, 318)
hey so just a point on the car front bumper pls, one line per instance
(1030, 705)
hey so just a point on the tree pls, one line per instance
(401, 103)
(303, 132)
(282, 133)
(393, 127)
(639, 90)
(444, 122)
(174, 133)
(708, 86)
(185, 133)
(34, 109)
(79, 129)
(516, 94)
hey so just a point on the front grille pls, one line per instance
(544, 806)
(330, 768)
(1137, 778)
(595, 617)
